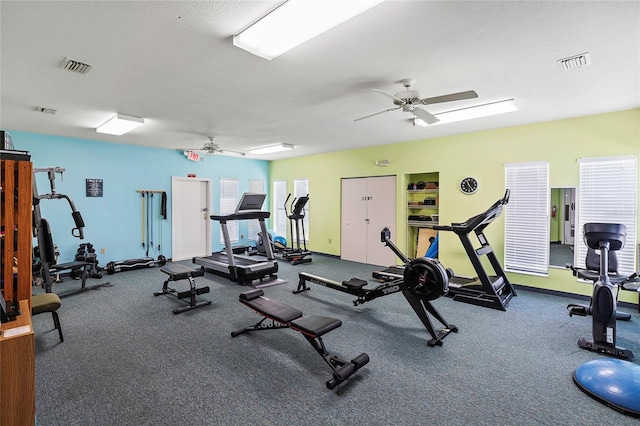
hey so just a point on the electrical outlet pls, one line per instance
(103, 250)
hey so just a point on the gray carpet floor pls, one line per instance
(128, 360)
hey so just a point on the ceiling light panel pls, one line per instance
(295, 22)
(120, 124)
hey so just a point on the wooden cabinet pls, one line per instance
(17, 370)
(17, 343)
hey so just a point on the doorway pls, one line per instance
(190, 223)
(562, 226)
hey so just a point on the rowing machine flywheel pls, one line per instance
(426, 278)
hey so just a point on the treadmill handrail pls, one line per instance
(258, 214)
(483, 218)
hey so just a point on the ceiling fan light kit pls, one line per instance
(271, 149)
(120, 124)
(294, 22)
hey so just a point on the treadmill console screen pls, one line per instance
(250, 201)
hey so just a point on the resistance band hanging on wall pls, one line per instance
(147, 225)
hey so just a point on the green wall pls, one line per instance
(479, 154)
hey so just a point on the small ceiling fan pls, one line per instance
(209, 149)
(409, 101)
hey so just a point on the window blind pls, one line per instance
(228, 203)
(607, 194)
(255, 185)
(527, 218)
(280, 218)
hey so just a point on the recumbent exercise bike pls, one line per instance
(606, 237)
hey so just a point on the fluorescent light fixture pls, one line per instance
(477, 111)
(295, 22)
(271, 149)
(120, 124)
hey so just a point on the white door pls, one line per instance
(190, 222)
(353, 241)
(368, 205)
(381, 212)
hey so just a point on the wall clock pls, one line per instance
(468, 185)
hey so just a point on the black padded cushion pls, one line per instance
(614, 233)
(273, 309)
(251, 294)
(314, 325)
(354, 283)
(69, 265)
(181, 272)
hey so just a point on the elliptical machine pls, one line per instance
(296, 254)
(605, 237)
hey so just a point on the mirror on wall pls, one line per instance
(562, 226)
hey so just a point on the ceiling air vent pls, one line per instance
(47, 110)
(75, 66)
(573, 62)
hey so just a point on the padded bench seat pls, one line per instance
(315, 325)
(312, 327)
(181, 272)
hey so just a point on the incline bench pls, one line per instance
(312, 327)
(179, 272)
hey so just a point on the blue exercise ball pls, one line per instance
(280, 240)
(614, 382)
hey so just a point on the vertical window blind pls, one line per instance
(279, 218)
(255, 185)
(526, 218)
(228, 203)
(301, 189)
(607, 194)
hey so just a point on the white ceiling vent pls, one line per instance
(47, 110)
(573, 62)
(75, 66)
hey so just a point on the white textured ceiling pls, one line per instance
(174, 64)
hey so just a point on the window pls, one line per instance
(254, 225)
(279, 218)
(607, 193)
(301, 189)
(228, 203)
(526, 218)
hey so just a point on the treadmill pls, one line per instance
(238, 268)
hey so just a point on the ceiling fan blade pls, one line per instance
(371, 115)
(425, 116)
(387, 94)
(470, 94)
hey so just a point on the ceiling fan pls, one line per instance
(409, 101)
(208, 149)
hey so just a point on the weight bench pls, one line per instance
(312, 327)
(179, 272)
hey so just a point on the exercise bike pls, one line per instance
(606, 237)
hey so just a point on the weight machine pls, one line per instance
(48, 262)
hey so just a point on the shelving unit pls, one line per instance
(422, 210)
